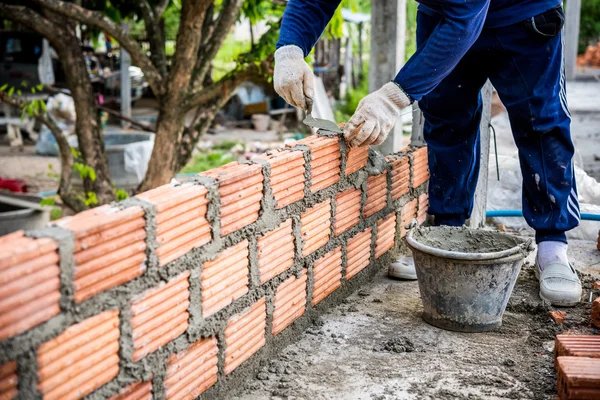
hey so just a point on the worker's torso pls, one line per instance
(501, 12)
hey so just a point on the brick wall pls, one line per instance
(184, 288)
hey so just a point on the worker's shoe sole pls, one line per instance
(403, 268)
(559, 285)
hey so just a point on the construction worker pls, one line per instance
(518, 45)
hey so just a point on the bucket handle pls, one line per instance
(524, 248)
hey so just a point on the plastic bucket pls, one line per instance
(466, 276)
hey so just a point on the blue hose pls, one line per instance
(519, 213)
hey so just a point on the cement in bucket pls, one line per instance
(466, 276)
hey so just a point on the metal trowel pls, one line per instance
(319, 123)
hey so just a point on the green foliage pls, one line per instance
(589, 30)
(411, 29)
(226, 145)
(206, 161)
(47, 201)
(347, 107)
(121, 194)
(85, 171)
(55, 212)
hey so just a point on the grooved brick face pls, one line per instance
(181, 223)
(192, 371)
(422, 209)
(420, 167)
(316, 227)
(386, 233)
(328, 275)
(347, 210)
(135, 391)
(240, 190)
(578, 378)
(275, 251)
(225, 279)
(356, 159)
(81, 359)
(29, 283)
(159, 315)
(110, 247)
(577, 346)
(287, 176)
(290, 302)
(8, 380)
(325, 161)
(596, 313)
(407, 214)
(358, 253)
(245, 335)
(376, 194)
(400, 174)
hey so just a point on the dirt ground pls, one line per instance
(376, 346)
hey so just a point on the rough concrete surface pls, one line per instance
(376, 346)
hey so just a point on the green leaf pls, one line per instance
(19, 92)
(92, 174)
(55, 214)
(24, 84)
(40, 86)
(121, 194)
(91, 200)
(33, 90)
(43, 106)
(11, 91)
(48, 201)
(3, 87)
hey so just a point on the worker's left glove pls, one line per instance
(375, 116)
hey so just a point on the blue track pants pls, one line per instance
(527, 70)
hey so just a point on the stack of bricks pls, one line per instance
(577, 362)
(188, 285)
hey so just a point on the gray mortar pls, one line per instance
(27, 372)
(150, 227)
(376, 162)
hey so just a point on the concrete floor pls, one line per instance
(376, 346)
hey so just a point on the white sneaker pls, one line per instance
(403, 268)
(559, 284)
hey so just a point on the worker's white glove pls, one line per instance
(293, 78)
(375, 116)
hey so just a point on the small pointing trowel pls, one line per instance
(319, 123)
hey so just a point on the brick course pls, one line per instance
(181, 285)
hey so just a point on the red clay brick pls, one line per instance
(159, 315)
(325, 160)
(386, 233)
(422, 208)
(240, 189)
(356, 159)
(290, 302)
(376, 194)
(245, 335)
(577, 346)
(558, 316)
(8, 380)
(275, 251)
(578, 378)
(400, 175)
(420, 167)
(287, 176)
(327, 273)
(347, 210)
(81, 359)
(29, 283)
(181, 219)
(109, 248)
(192, 371)
(315, 227)
(135, 391)
(407, 214)
(596, 312)
(358, 253)
(225, 278)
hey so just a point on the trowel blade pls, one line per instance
(324, 124)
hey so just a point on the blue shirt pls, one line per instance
(304, 21)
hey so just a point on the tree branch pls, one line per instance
(98, 19)
(230, 12)
(160, 8)
(155, 37)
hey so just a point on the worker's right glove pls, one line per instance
(293, 79)
(375, 116)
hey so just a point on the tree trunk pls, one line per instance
(87, 126)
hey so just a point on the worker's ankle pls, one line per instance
(550, 236)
